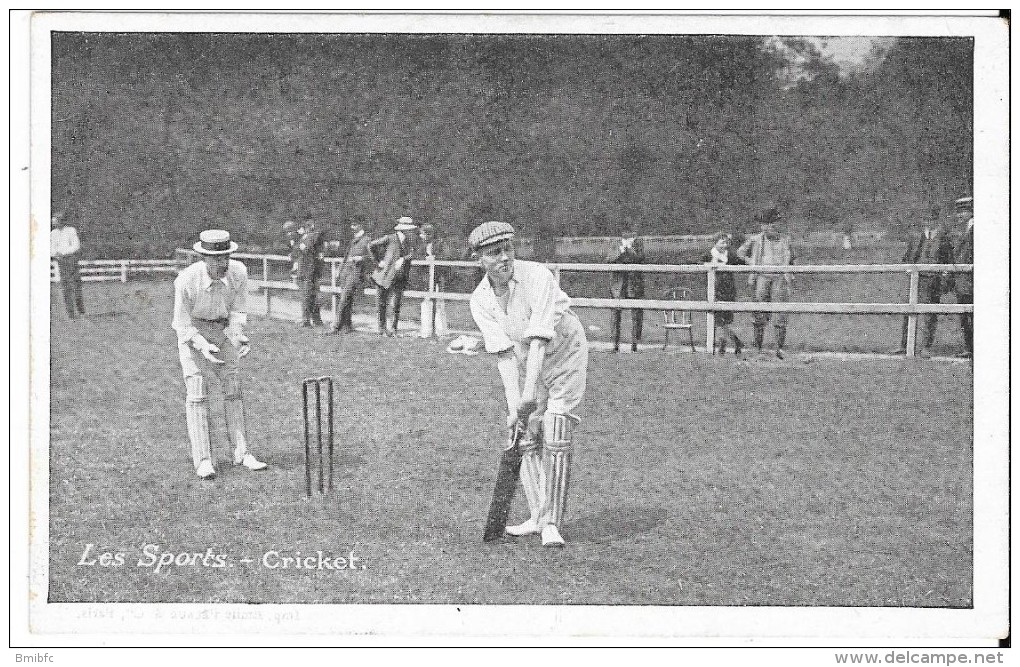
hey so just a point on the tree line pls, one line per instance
(157, 136)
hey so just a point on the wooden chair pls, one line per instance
(678, 319)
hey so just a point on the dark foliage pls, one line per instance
(156, 136)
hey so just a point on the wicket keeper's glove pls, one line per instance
(206, 348)
(238, 340)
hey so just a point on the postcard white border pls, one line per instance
(323, 624)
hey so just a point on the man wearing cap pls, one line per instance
(928, 244)
(309, 271)
(209, 318)
(393, 253)
(350, 279)
(65, 247)
(526, 321)
(627, 285)
(963, 253)
(769, 248)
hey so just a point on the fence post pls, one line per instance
(710, 316)
(265, 282)
(432, 302)
(123, 271)
(334, 273)
(912, 317)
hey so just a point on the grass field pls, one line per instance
(698, 480)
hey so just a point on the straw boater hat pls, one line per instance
(215, 242)
(405, 224)
(488, 233)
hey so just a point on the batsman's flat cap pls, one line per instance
(964, 204)
(488, 233)
(215, 242)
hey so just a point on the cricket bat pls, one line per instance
(506, 483)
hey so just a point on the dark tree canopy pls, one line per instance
(156, 136)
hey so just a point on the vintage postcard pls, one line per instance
(333, 344)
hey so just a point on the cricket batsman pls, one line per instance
(542, 357)
(209, 318)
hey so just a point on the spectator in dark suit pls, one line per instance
(393, 253)
(963, 253)
(627, 285)
(928, 244)
(351, 279)
(725, 290)
(309, 271)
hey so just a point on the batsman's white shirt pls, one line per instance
(537, 308)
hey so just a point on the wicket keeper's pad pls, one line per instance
(506, 485)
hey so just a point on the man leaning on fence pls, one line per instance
(394, 253)
(769, 248)
(352, 277)
(65, 248)
(928, 244)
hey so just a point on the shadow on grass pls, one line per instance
(621, 522)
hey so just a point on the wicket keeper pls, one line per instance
(542, 358)
(209, 318)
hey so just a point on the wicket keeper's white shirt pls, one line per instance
(536, 308)
(64, 241)
(198, 296)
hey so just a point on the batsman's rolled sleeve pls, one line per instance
(488, 321)
(198, 296)
(535, 308)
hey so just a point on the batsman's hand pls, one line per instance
(525, 409)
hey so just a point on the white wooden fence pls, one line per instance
(911, 308)
(98, 270)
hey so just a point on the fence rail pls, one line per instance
(109, 270)
(119, 270)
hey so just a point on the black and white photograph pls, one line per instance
(661, 327)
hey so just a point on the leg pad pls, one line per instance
(556, 459)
